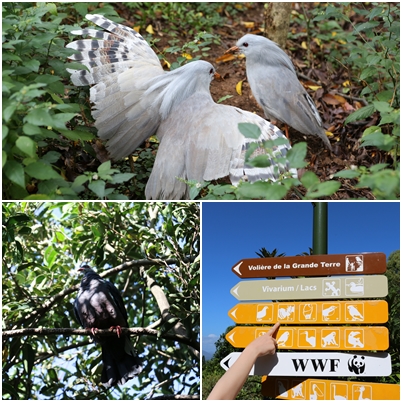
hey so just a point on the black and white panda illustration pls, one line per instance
(357, 364)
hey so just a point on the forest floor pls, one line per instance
(323, 82)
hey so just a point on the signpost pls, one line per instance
(322, 338)
(312, 265)
(318, 364)
(335, 312)
(312, 288)
(316, 389)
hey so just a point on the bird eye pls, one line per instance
(211, 71)
(245, 44)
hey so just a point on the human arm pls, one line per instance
(233, 380)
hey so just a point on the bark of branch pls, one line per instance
(104, 332)
(164, 308)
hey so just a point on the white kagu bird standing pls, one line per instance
(135, 98)
(274, 84)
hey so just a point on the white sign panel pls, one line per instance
(318, 364)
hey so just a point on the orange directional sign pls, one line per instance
(309, 389)
(312, 288)
(312, 265)
(310, 312)
(323, 338)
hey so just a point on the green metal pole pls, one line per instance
(320, 228)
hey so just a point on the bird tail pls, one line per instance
(120, 362)
(123, 67)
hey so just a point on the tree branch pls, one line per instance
(48, 304)
(102, 332)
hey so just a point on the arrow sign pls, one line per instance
(336, 312)
(320, 364)
(322, 338)
(309, 389)
(312, 265)
(312, 288)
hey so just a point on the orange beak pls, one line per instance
(233, 49)
(218, 76)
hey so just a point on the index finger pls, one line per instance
(274, 330)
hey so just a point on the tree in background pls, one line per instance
(154, 248)
(264, 253)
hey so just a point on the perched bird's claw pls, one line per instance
(118, 330)
(93, 331)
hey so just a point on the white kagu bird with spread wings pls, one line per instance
(134, 98)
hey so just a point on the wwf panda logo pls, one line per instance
(357, 364)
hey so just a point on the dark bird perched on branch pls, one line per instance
(100, 306)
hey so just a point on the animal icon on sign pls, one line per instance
(262, 313)
(338, 397)
(307, 311)
(283, 339)
(327, 312)
(354, 339)
(355, 313)
(330, 339)
(356, 364)
(356, 287)
(298, 391)
(309, 339)
(361, 391)
(285, 312)
(316, 392)
(330, 286)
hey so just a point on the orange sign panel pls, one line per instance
(311, 312)
(327, 338)
(300, 389)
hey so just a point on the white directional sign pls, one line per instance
(357, 364)
(312, 288)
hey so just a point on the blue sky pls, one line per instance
(232, 231)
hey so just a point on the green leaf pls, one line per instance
(261, 190)
(348, 174)
(249, 130)
(42, 171)
(309, 180)
(224, 98)
(15, 172)
(122, 177)
(50, 255)
(31, 129)
(377, 139)
(39, 117)
(296, 155)
(98, 187)
(76, 135)
(360, 114)
(382, 107)
(27, 146)
(326, 188)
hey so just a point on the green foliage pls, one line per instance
(183, 18)
(264, 190)
(38, 119)
(44, 242)
(370, 54)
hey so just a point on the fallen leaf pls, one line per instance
(346, 83)
(248, 24)
(314, 87)
(239, 87)
(304, 45)
(167, 63)
(150, 30)
(137, 29)
(187, 56)
(225, 58)
(330, 99)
